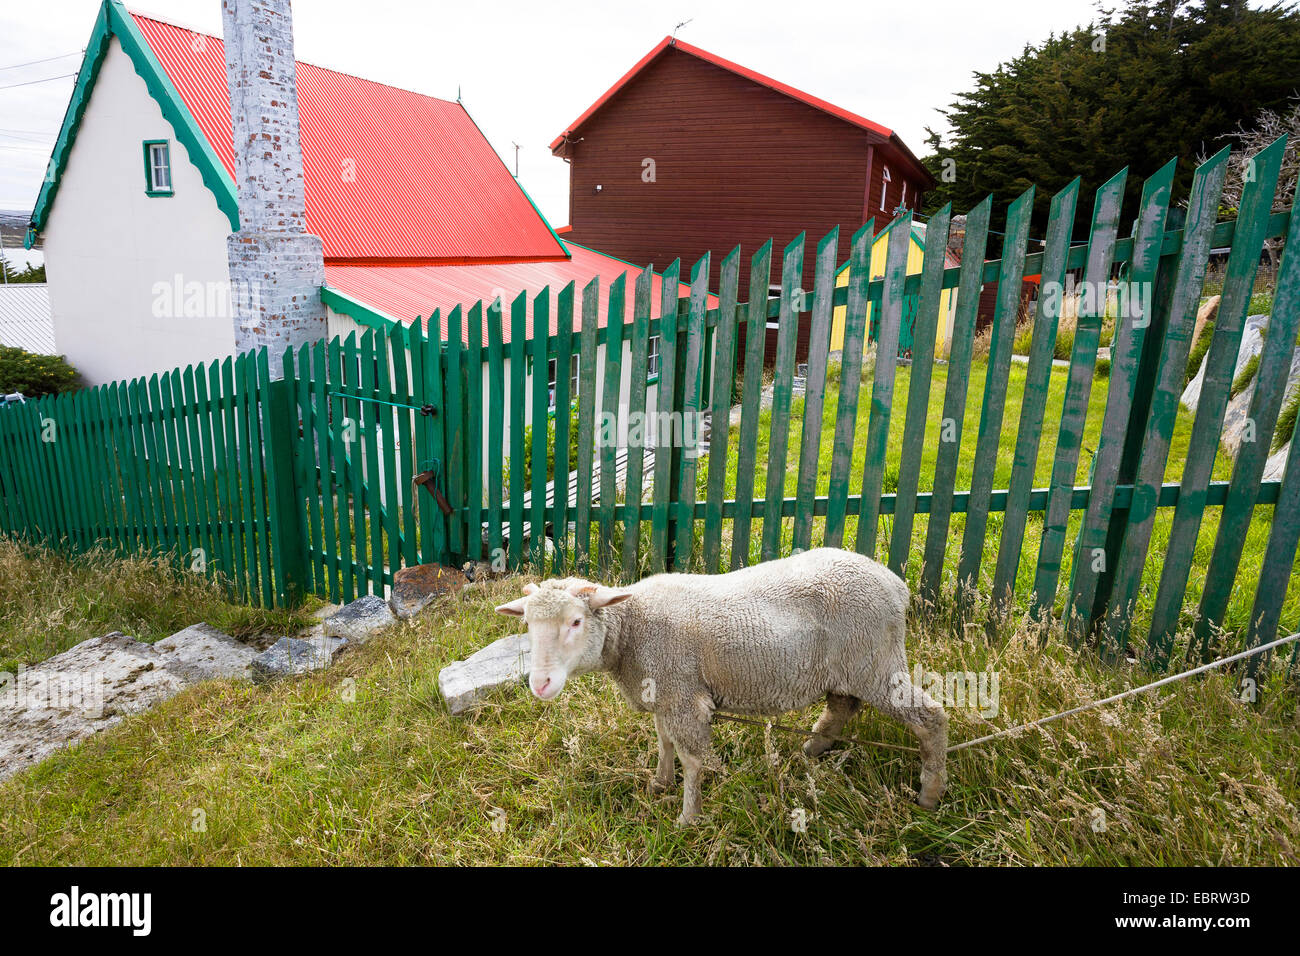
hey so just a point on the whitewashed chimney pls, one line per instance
(276, 267)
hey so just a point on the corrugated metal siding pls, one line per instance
(25, 320)
(427, 184)
(407, 292)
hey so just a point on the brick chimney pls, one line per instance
(276, 266)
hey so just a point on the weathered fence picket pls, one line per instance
(993, 406)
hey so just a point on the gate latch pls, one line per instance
(429, 479)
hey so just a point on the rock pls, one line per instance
(1191, 396)
(464, 683)
(92, 686)
(416, 587)
(1275, 467)
(1252, 340)
(1208, 312)
(358, 621)
(201, 652)
(480, 571)
(290, 656)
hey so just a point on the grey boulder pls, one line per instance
(464, 683)
(290, 656)
(358, 621)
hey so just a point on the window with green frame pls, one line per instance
(157, 168)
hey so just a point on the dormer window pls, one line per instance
(157, 168)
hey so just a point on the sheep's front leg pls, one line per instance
(665, 772)
(691, 736)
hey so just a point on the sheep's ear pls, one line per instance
(514, 609)
(604, 597)
(530, 587)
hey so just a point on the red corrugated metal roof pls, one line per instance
(406, 292)
(736, 68)
(427, 184)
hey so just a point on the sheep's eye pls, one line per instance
(577, 622)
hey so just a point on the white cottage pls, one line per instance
(414, 209)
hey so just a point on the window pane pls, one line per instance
(160, 167)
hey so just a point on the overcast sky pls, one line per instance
(528, 68)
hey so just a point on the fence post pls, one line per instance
(286, 517)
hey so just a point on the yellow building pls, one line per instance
(915, 257)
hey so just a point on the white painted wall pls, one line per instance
(110, 250)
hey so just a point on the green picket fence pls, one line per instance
(323, 480)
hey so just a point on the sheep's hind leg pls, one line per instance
(665, 772)
(926, 718)
(839, 708)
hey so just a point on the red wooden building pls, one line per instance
(689, 153)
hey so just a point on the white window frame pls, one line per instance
(885, 180)
(158, 168)
(653, 358)
(551, 379)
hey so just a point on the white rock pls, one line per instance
(1252, 341)
(201, 652)
(78, 693)
(1275, 467)
(464, 683)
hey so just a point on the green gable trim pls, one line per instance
(357, 311)
(114, 21)
(96, 47)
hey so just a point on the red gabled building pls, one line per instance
(689, 153)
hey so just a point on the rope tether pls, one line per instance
(1033, 723)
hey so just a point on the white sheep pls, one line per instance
(762, 640)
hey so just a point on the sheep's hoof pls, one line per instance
(658, 786)
(686, 820)
(927, 801)
(816, 746)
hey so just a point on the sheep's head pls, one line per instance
(565, 639)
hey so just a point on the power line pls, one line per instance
(47, 79)
(48, 59)
(44, 139)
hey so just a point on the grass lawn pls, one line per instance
(362, 764)
(50, 601)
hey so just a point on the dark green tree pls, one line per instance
(1149, 81)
